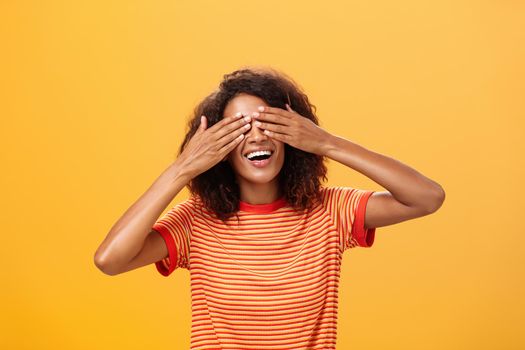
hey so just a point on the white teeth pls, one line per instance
(258, 153)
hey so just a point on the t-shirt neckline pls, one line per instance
(262, 208)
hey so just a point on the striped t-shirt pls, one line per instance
(269, 280)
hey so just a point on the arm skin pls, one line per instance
(410, 194)
(122, 249)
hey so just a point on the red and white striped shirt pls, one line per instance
(269, 280)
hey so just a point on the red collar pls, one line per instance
(262, 208)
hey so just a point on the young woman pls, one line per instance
(262, 238)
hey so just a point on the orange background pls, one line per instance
(94, 101)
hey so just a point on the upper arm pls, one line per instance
(154, 249)
(383, 209)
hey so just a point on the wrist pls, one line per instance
(329, 145)
(178, 172)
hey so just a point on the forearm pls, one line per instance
(406, 184)
(126, 238)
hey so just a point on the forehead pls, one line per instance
(243, 103)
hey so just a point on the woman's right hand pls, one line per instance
(207, 147)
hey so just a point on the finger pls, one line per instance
(225, 121)
(276, 110)
(278, 136)
(204, 123)
(226, 138)
(274, 118)
(242, 125)
(231, 145)
(273, 127)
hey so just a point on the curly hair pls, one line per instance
(301, 174)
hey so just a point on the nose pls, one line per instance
(255, 134)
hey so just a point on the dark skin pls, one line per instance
(130, 243)
(409, 193)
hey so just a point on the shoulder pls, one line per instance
(186, 208)
(192, 202)
(335, 196)
(329, 192)
(326, 194)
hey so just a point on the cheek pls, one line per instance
(237, 150)
(235, 154)
(281, 149)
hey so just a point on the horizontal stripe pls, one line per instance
(271, 279)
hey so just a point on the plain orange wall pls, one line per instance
(94, 100)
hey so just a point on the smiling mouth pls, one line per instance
(259, 157)
(260, 160)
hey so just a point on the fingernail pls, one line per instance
(238, 114)
(261, 108)
(247, 118)
(258, 123)
(255, 114)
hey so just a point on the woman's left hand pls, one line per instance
(290, 127)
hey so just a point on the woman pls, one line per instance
(262, 239)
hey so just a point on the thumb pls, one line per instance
(204, 123)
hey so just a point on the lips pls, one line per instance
(259, 163)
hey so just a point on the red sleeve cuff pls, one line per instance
(168, 264)
(364, 238)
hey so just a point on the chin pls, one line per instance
(259, 180)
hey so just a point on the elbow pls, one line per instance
(436, 199)
(104, 265)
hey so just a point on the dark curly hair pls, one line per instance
(301, 174)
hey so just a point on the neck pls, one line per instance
(253, 193)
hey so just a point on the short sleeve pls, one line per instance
(175, 228)
(347, 208)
